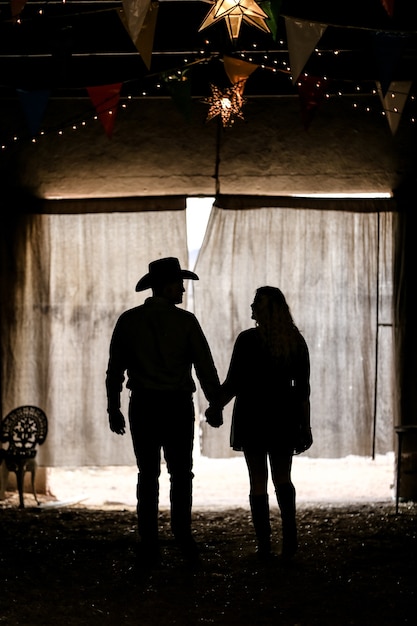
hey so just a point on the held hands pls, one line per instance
(214, 413)
(214, 416)
(117, 421)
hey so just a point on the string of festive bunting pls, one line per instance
(271, 7)
(139, 17)
(78, 122)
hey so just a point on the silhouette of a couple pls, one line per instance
(155, 345)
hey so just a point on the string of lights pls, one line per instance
(155, 84)
(71, 125)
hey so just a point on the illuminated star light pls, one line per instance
(234, 11)
(227, 104)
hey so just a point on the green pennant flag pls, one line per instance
(273, 9)
(179, 87)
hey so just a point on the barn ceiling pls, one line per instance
(67, 47)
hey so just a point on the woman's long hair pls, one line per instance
(276, 326)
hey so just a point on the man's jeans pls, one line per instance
(163, 420)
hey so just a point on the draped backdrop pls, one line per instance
(67, 277)
(72, 277)
(335, 269)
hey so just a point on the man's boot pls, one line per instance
(260, 517)
(286, 501)
(147, 512)
(181, 506)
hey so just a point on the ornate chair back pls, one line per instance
(23, 429)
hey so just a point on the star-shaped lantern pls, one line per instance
(234, 11)
(226, 103)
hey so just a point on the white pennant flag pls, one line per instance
(135, 12)
(394, 101)
(302, 37)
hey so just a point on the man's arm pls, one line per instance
(204, 364)
(114, 382)
(207, 375)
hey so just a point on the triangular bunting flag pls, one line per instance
(389, 6)
(273, 10)
(179, 87)
(143, 40)
(388, 48)
(144, 43)
(302, 37)
(16, 7)
(311, 92)
(34, 105)
(394, 101)
(238, 71)
(105, 99)
(135, 12)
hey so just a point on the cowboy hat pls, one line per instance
(164, 271)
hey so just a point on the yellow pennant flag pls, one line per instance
(238, 71)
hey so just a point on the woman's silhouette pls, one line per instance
(269, 376)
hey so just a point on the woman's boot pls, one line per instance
(260, 517)
(286, 502)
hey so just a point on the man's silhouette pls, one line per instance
(157, 344)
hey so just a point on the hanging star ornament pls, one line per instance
(234, 12)
(226, 103)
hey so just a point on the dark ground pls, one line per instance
(356, 565)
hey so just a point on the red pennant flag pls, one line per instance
(17, 6)
(311, 92)
(389, 6)
(106, 99)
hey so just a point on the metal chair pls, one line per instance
(402, 431)
(23, 429)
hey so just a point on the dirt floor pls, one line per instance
(74, 563)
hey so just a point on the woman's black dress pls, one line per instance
(269, 393)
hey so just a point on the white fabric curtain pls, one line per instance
(71, 276)
(335, 269)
